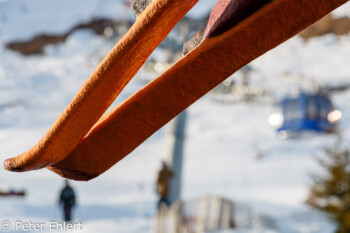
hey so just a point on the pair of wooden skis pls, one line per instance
(83, 144)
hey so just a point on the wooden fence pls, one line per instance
(208, 213)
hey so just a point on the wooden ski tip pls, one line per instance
(10, 165)
(215, 58)
(24, 162)
(104, 85)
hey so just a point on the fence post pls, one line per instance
(201, 215)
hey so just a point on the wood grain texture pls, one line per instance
(104, 85)
(131, 123)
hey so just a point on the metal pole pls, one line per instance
(175, 142)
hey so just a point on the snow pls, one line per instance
(222, 140)
(22, 19)
(343, 11)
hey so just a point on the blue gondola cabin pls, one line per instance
(305, 113)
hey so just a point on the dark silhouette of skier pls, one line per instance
(164, 176)
(67, 201)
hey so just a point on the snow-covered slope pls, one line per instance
(222, 140)
(22, 19)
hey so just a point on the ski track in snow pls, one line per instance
(222, 140)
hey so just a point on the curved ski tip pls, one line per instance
(11, 165)
(23, 163)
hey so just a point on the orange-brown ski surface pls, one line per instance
(212, 61)
(104, 85)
